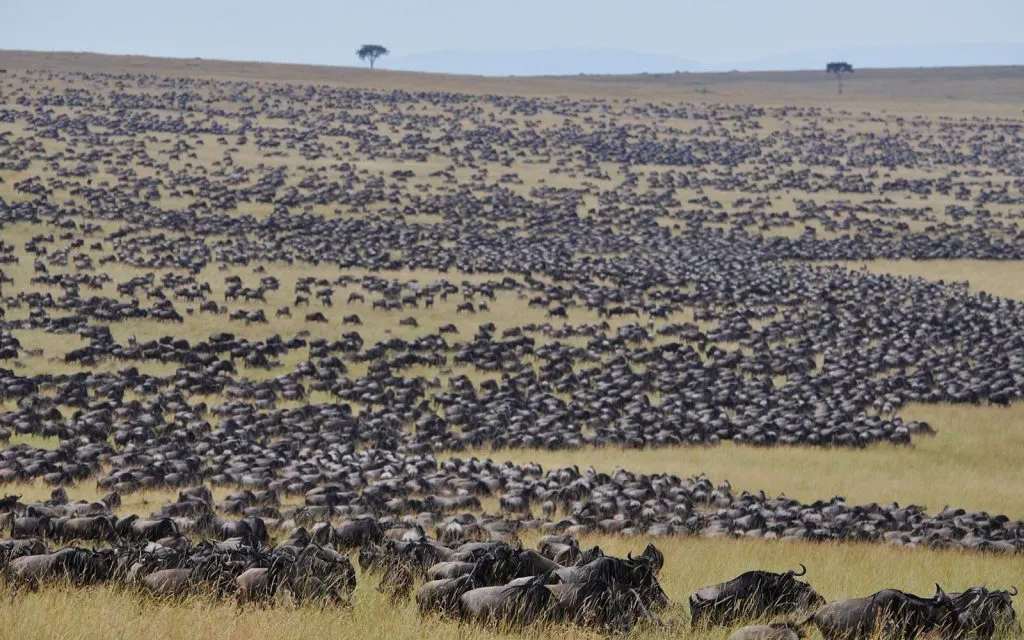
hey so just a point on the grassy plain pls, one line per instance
(976, 461)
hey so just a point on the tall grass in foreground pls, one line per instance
(836, 571)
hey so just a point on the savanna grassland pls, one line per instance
(743, 276)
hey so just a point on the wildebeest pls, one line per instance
(894, 613)
(634, 573)
(751, 596)
(508, 605)
(137, 528)
(261, 583)
(76, 565)
(984, 614)
(441, 595)
(397, 581)
(356, 533)
(84, 528)
(599, 602)
(12, 549)
(168, 583)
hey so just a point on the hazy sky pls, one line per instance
(328, 31)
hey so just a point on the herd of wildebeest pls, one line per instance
(340, 292)
(471, 571)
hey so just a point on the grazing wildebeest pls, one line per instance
(985, 614)
(508, 605)
(168, 583)
(894, 613)
(751, 596)
(135, 528)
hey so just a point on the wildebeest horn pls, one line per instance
(1014, 592)
(803, 571)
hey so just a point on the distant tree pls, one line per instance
(371, 52)
(838, 69)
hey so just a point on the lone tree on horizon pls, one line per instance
(839, 68)
(371, 52)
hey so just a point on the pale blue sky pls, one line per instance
(713, 34)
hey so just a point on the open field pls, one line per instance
(736, 315)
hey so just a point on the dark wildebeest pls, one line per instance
(12, 549)
(168, 583)
(260, 583)
(442, 595)
(322, 574)
(752, 596)
(894, 613)
(600, 603)
(80, 566)
(356, 533)
(397, 581)
(504, 605)
(135, 528)
(86, 528)
(10, 502)
(31, 526)
(985, 614)
(634, 573)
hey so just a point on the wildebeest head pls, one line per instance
(984, 614)
(486, 571)
(589, 555)
(651, 555)
(800, 595)
(372, 556)
(643, 578)
(7, 503)
(505, 563)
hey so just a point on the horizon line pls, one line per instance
(355, 67)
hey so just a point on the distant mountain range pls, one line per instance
(620, 62)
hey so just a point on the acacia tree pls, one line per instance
(838, 69)
(371, 52)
